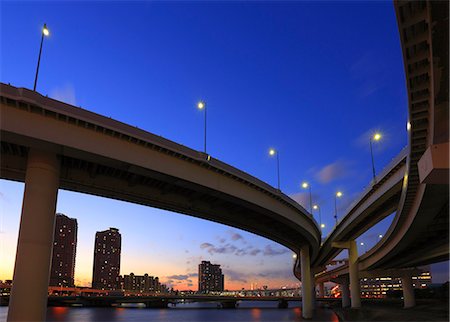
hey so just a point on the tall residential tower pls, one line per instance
(210, 278)
(64, 251)
(107, 259)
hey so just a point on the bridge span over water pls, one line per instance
(50, 145)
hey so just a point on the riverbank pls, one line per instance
(392, 310)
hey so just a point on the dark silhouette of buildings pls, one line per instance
(210, 278)
(107, 259)
(64, 251)
(142, 283)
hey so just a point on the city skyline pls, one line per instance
(295, 108)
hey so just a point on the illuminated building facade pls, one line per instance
(210, 278)
(64, 251)
(379, 286)
(107, 259)
(142, 283)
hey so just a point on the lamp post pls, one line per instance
(306, 185)
(316, 207)
(273, 152)
(201, 105)
(337, 195)
(45, 32)
(376, 137)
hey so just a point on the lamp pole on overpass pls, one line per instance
(337, 195)
(201, 105)
(375, 137)
(45, 32)
(316, 207)
(273, 152)
(306, 185)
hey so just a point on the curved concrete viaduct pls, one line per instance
(419, 233)
(50, 145)
(378, 201)
(375, 203)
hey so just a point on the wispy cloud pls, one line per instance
(278, 273)
(178, 277)
(370, 72)
(225, 249)
(270, 251)
(235, 275)
(334, 171)
(236, 236)
(64, 93)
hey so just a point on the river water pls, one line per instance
(195, 312)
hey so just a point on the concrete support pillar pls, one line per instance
(409, 300)
(321, 290)
(28, 300)
(313, 290)
(307, 307)
(345, 294)
(355, 287)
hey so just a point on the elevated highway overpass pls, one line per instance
(379, 200)
(419, 232)
(51, 145)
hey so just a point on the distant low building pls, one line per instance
(210, 278)
(380, 286)
(64, 251)
(142, 283)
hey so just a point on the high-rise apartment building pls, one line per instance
(210, 278)
(107, 259)
(64, 251)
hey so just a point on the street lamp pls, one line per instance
(45, 32)
(337, 195)
(201, 105)
(316, 207)
(364, 245)
(273, 152)
(376, 137)
(306, 185)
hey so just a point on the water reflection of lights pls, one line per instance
(58, 310)
(256, 313)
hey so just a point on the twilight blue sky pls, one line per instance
(313, 80)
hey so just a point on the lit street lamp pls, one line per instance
(45, 32)
(306, 185)
(376, 137)
(364, 245)
(201, 105)
(273, 152)
(337, 195)
(316, 207)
